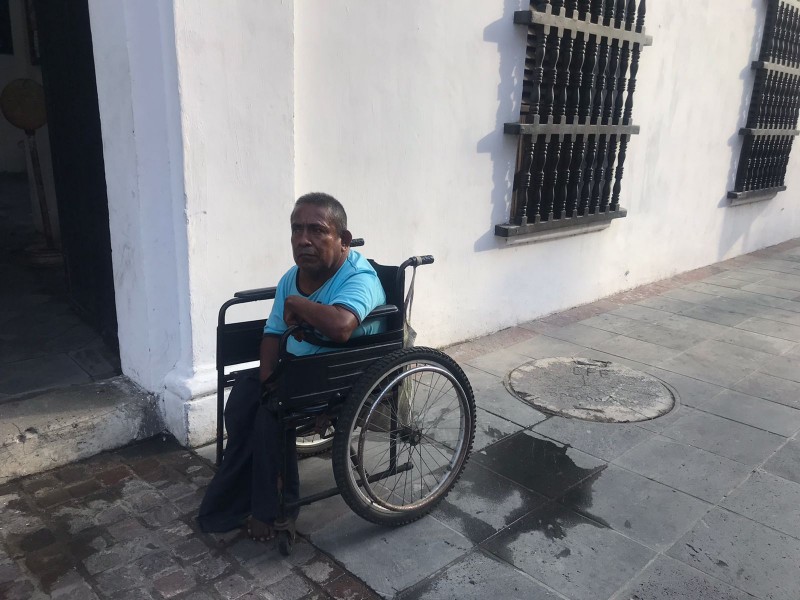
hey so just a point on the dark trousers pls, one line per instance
(246, 482)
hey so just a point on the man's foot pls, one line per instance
(259, 531)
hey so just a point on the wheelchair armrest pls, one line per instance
(311, 336)
(382, 311)
(267, 293)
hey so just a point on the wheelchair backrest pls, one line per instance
(393, 281)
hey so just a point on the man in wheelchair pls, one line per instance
(331, 289)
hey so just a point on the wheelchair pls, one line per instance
(402, 417)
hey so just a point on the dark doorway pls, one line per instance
(65, 43)
(58, 321)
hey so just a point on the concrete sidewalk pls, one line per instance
(701, 503)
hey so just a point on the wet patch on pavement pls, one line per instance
(539, 464)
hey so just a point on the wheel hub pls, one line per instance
(411, 435)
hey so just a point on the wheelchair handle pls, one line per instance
(355, 242)
(417, 261)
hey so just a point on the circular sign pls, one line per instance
(22, 103)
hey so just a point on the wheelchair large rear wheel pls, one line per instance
(404, 436)
(314, 443)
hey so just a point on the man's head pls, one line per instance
(320, 239)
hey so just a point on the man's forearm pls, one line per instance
(269, 356)
(334, 322)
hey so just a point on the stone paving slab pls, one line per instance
(768, 499)
(724, 437)
(786, 462)
(744, 554)
(606, 441)
(491, 396)
(691, 470)
(581, 558)
(669, 578)
(539, 464)
(479, 576)
(491, 428)
(774, 389)
(757, 412)
(689, 391)
(738, 336)
(484, 503)
(576, 333)
(651, 513)
(40, 373)
(711, 362)
(391, 560)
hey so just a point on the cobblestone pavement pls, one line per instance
(701, 503)
(121, 525)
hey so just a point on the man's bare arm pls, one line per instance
(334, 322)
(269, 356)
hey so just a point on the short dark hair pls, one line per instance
(335, 209)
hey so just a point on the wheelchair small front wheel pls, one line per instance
(285, 543)
(404, 436)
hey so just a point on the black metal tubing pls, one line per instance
(265, 294)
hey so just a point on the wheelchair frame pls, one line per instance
(320, 383)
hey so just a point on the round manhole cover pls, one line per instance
(594, 390)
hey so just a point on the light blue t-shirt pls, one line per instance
(355, 286)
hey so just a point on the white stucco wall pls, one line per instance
(399, 112)
(235, 67)
(216, 116)
(134, 51)
(196, 110)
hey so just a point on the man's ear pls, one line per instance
(347, 237)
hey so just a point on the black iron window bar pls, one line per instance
(772, 118)
(575, 116)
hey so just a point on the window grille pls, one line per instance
(575, 118)
(772, 117)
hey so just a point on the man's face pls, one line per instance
(317, 247)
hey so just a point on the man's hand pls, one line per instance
(335, 322)
(290, 310)
(291, 316)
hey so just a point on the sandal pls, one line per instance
(258, 531)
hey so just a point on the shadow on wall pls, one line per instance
(510, 40)
(733, 229)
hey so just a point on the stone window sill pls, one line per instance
(750, 196)
(557, 228)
